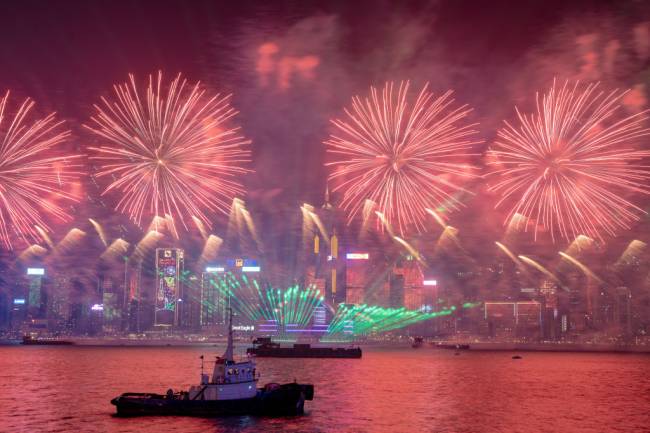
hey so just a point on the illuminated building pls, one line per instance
(529, 319)
(312, 279)
(356, 274)
(213, 303)
(58, 301)
(5, 308)
(36, 297)
(134, 298)
(500, 318)
(396, 290)
(509, 319)
(111, 306)
(550, 310)
(18, 312)
(413, 284)
(578, 316)
(190, 303)
(623, 310)
(169, 267)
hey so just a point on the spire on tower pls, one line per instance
(327, 205)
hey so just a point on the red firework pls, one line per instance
(404, 157)
(169, 152)
(567, 165)
(32, 175)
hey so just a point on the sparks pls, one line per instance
(568, 165)
(406, 158)
(169, 152)
(33, 173)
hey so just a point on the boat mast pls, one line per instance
(228, 356)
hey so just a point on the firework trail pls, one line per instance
(404, 157)
(567, 165)
(32, 175)
(169, 152)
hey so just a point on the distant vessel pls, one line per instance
(417, 342)
(451, 346)
(265, 347)
(231, 391)
(29, 340)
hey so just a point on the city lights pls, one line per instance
(250, 269)
(35, 271)
(357, 256)
(215, 269)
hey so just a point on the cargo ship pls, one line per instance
(265, 347)
(232, 390)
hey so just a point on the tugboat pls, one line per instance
(264, 347)
(232, 390)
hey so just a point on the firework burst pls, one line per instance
(568, 165)
(169, 152)
(404, 157)
(33, 174)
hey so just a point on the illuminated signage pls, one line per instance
(215, 269)
(240, 263)
(250, 269)
(356, 256)
(169, 266)
(430, 282)
(97, 307)
(19, 301)
(35, 271)
(243, 328)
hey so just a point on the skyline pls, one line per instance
(289, 80)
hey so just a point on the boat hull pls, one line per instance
(287, 399)
(314, 352)
(37, 342)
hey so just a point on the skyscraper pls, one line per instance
(169, 267)
(213, 301)
(356, 276)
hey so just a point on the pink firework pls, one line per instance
(169, 152)
(405, 156)
(34, 173)
(570, 165)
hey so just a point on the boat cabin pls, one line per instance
(230, 380)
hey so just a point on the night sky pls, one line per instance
(495, 55)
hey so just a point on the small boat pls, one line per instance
(451, 346)
(29, 340)
(516, 357)
(265, 347)
(232, 390)
(417, 342)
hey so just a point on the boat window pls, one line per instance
(230, 371)
(236, 371)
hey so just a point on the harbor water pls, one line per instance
(68, 389)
